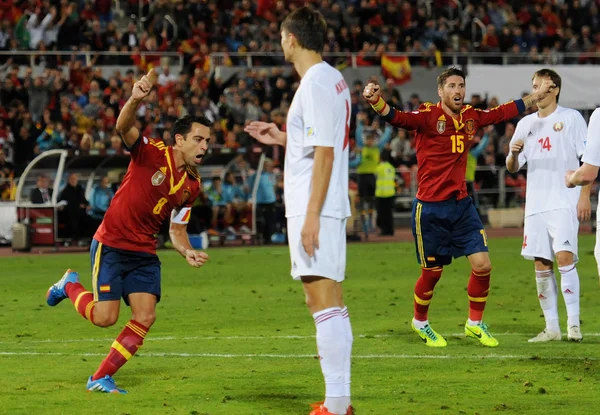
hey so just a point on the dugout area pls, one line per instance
(47, 226)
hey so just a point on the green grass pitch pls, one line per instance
(236, 338)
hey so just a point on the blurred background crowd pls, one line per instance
(73, 102)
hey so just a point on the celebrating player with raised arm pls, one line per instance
(316, 195)
(550, 142)
(445, 222)
(161, 181)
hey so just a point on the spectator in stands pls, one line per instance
(218, 204)
(39, 94)
(75, 212)
(102, 195)
(370, 142)
(265, 201)
(472, 159)
(237, 197)
(42, 193)
(50, 138)
(385, 194)
(402, 152)
(6, 175)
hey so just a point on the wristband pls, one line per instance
(379, 106)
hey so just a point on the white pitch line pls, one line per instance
(310, 356)
(289, 337)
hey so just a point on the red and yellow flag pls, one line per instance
(396, 68)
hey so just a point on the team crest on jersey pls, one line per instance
(558, 126)
(159, 176)
(441, 125)
(470, 127)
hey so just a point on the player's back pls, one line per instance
(151, 189)
(319, 116)
(553, 145)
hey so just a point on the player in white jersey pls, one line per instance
(316, 195)
(550, 142)
(587, 173)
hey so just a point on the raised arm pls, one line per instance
(511, 109)
(407, 120)
(385, 137)
(126, 121)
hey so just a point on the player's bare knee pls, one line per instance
(482, 266)
(543, 264)
(105, 319)
(564, 259)
(145, 318)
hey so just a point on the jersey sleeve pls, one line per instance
(520, 134)
(146, 149)
(578, 132)
(592, 145)
(498, 114)
(317, 111)
(408, 120)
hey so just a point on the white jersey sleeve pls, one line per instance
(578, 132)
(520, 134)
(592, 149)
(317, 106)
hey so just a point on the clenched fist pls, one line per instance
(517, 147)
(372, 92)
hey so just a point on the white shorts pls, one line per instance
(547, 233)
(329, 260)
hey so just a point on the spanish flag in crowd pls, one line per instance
(396, 68)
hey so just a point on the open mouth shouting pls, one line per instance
(198, 158)
(457, 99)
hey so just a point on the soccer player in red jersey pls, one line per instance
(445, 223)
(161, 180)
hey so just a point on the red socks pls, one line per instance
(122, 349)
(424, 291)
(477, 290)
(82, 299)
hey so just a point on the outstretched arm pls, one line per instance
(126, 122)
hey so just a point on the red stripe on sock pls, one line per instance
(131, 339)
(479, 286)
(424, 290)
(76, 292)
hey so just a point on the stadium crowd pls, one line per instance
(77, 108)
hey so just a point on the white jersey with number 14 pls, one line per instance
(553, 145)
(319, 116)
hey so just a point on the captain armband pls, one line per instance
(379, 106)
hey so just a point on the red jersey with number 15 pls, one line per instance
(151, 190)
(443, 143)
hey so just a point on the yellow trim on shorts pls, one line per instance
(420, 248)
(96, 270)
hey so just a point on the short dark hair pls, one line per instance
(308, 26)
(554, 77)
(183, 125)
(453, 71)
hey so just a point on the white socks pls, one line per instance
(334, 344)
(420, 324)
(569, 285)
(547, 294)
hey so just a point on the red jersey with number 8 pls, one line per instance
(151, 190)
(443, 143)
